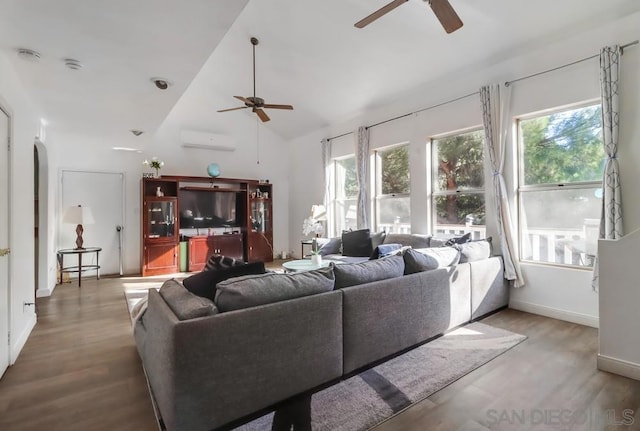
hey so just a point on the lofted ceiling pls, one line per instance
(310, 55)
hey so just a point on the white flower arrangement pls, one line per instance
(154, 163)
(310, 225)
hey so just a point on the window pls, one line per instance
(458, 184)
(561, 167)
(346, 194)
(392, 190)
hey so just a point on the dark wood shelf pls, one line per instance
(213, 189)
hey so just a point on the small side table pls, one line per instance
(79, 268)
(304, 242)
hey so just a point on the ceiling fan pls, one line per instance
(441, 8)
(256, 103)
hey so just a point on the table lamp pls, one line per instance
(78, 215)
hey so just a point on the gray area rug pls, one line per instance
(365, 400)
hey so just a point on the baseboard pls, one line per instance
(618, 366)
(556, 313)
(16, 347)
(43, 293)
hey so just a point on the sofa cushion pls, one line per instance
(204, 283)
(184, 304)
(356, 243)
(426, 259)
(329, 246)
(384, 250)
(366, 272)
(406, 239)
(252, 290)
(475, 250)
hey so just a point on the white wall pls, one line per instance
(25, 124)
(557, 292)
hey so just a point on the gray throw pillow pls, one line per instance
(184, 304)
(253, 290)
(475, 250)
(377, 238)
(407, 239)
(352, 274)
(426, 259)
(329, 246)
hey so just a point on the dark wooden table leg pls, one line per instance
(79, 269)
(97, 265)
(60, 259)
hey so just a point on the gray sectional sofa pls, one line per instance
(207, 372)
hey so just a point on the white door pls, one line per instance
(103, 192)
(4, 241)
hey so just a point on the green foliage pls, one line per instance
(395, 170)
(564, 147)
(460, 166)
(350, 185)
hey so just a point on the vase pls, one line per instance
(316, 259)
(159, 192)
(156, 173)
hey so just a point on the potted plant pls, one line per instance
(316, 257)
(154, 164)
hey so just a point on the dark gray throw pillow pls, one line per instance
(184, 304)
(426, 259)
(329, 246)
(357, 243)
(351, 274)
(412, 240)
(459, 239)
(253, 290)
(204, 283)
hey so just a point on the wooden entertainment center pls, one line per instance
(226, 216)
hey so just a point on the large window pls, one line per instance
(392, 190)
(346, 194)
(458, 184)
(561, 166)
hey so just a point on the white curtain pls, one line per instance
(611, 218)
(362, 173)
(495, 111)
(326, 181)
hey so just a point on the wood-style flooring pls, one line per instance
(79, 371)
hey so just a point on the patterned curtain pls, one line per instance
(611, 218)
(496, 127)
(326, 180)
(362, 173)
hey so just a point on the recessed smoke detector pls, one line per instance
(136, 132)
(72, 64)
(29, 54)
(161, 83)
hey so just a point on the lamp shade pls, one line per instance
(318, 212)
(78, 215)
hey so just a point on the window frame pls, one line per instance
(377, 183)
(338, 199)
(523, 188)
(433, 180)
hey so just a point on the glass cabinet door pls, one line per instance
(260, 216)
(161, 219)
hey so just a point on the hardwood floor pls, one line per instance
(80, 371)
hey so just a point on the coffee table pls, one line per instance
(303, 265)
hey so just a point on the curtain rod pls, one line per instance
(408, 114)
(622, 48)
(508, 83)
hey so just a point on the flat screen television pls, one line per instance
(208, 208)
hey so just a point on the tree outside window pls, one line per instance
(393, 190)
(346, 194)
(458, 184)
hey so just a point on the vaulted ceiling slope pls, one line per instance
(121, 45)
(310, 55)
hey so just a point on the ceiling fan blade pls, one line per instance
(446, 15)
(244, 99)
(270, 106)
(233, 109)
(263, 115)
(380, 12)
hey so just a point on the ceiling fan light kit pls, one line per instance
(256, 104)
(442, 9)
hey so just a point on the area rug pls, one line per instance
(367, 399)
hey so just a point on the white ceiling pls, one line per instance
(310, 55)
